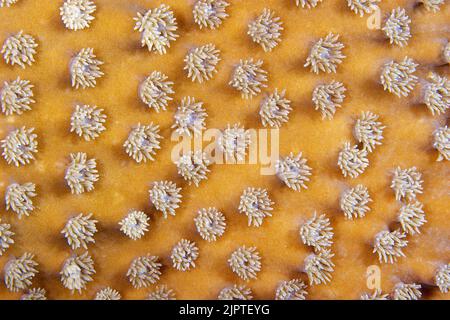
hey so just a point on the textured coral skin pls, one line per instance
(124, 184)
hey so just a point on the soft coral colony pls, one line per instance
(158, 28)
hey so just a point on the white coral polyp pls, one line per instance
(77, 14)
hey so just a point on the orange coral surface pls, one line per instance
(124, 184)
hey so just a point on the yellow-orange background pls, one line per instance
(124, 184)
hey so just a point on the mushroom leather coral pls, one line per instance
(123, 184)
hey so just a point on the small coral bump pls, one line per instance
(410, 291)
(376, 295)
(35, 294)
(361, 7)
(398, 77)
(19, 49)
(442, 278)
(317, 232)
(266, 29)
(142, 142)
(274, 109)
(19, 272)
(144, 271)
(193, 167)
(328, 97)
(19, 146)
(293, 171)
(184, 254)
(77, 272)
(19, 198)
(412, 217)
(248, 78)
(162, 293)
(368, 130)
(319, 267)
(79, 231)
(7, 3)
(245, 262)
(388, 245)
(156, 91)
(396, 27)
(87, 122)
(16, 97)
(432, 5)
(294, 289)
(437, 94)
(210, 13)
(326, 54)
(108, 294)
(135, 224)
(352, 161)
(6, 237)
(256, 205)
(84, 69)
(233, 142)
(354, 202)
(210, 224)
(158, 28)
(235, 292)
(190, 117)
(77, 14)
(200, 62)
(407, 183)
(166, 197)
(307, 3)
(81, 174)
(442, 142)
